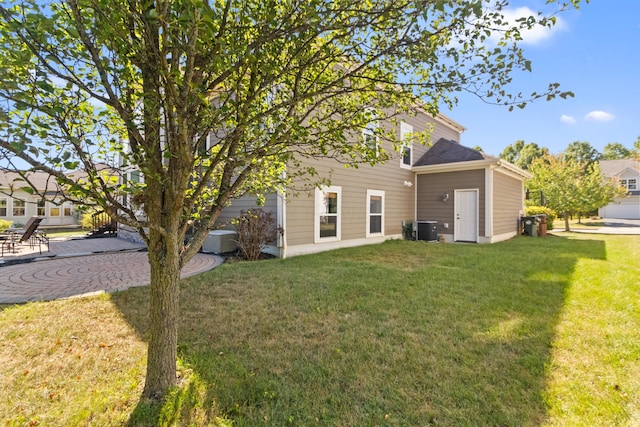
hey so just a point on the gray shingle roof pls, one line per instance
(446, 151)
(41, 181)
(611, 168)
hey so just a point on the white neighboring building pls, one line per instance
(18, 205)
(627, 172)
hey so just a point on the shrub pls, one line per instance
(4, 224)
(256, 228)
(542, 210)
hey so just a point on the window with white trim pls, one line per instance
(369, 133)
(375, 213)
(327, 213)
(54, 210)
(406, 151)
(3, 207)
(41, 207)
(19, 207)
(632, 184)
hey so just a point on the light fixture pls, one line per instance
(408, 183)
(445, 197)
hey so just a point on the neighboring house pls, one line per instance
(18, 205)
(627, 173)
(472, 196)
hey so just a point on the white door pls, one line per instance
(466, 216)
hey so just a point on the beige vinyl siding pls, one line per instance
(244, 203)
(389, 177)
(431, 188)
(440, 130)
(508, 199)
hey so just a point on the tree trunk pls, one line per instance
(566, 221)
(164, 260)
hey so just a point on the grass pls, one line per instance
(585, 223)
(525, 332)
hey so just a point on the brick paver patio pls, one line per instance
(81, 267)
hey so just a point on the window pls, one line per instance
(370, 139)
(3, 207)
(66, 210)
(327, 218)
(375, 213)
(407, 145)
(19, 207)
(54, 211)
(40, 208)
(629, 184)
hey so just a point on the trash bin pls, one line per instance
(530, 224)
(542, 228)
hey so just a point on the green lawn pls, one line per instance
(525, 332)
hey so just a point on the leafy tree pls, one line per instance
(570, 186)
(477, 148)
(615, 150)
(582, 151)
(521, 154)
(213, 99)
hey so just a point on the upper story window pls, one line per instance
(369, 133)
(629, 184)
(406, 159)
(327, 213)
(3, 207)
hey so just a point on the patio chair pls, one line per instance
(29, 234)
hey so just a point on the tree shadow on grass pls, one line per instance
(451, 335)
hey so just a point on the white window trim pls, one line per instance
(319, 198)
(23, 207)
(632, 186)
(51, 206)
(371, 130)
(368, 202)
(6, 207)
(406, 128)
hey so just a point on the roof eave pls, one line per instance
(454, 166)
(471, 165)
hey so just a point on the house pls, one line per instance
(627, 173)
(465, 195)
(18, 202)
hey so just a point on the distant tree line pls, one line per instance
(570, 183)
(523, 154)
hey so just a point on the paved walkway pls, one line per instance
(81, 267)
(611, 226)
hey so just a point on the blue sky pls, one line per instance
(593, 52)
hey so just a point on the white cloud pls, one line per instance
(599, 116)
(567, 119)
(538, 33)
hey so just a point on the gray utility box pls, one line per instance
(220, 241)
(427, 231)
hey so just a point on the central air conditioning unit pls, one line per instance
(220, 241)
